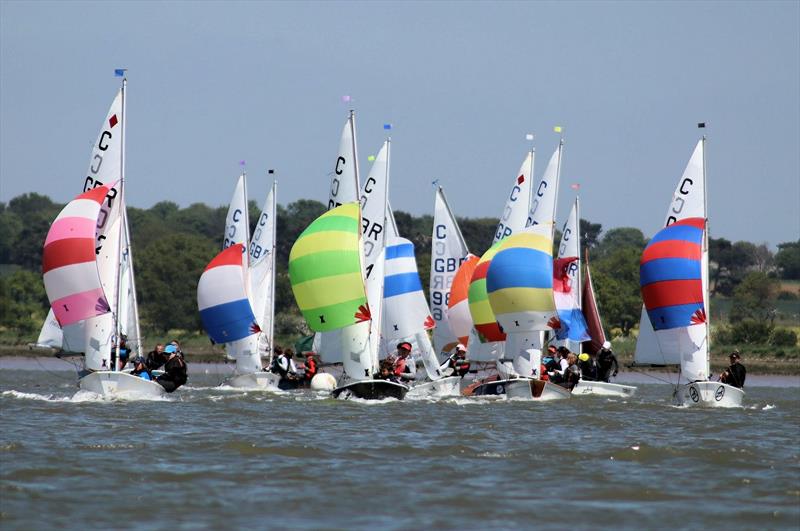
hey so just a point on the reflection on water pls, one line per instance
(222, 458)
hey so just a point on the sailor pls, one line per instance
(124, 351)
(559, 370)
(456, 363)
(735, 374)
(284, 365)
(606, 363)
(588, 366)
(174, 370)
(572, 374)
(385, 372)
(404, 366)
(311, 367)
(140, 368)
(156, 357)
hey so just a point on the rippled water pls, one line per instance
(210, 457)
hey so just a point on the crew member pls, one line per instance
(736, 373)
(607, 364)
(140, 368)
(312, 367)
(284, 365)
(156, 357)
(404, 367)
(588, 366)
(572, 374)
(174, 370)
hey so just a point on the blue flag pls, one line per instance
(119, 72)
(387, 126)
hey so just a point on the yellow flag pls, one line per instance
(557, 129)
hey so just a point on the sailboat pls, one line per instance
(327, 273)
(344, 188)
(519, 283)
(674, 283)
(87, 265)
(260, 289)
(488, 338)
(574, 330)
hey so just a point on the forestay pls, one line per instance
(688, 201)
(448, 252)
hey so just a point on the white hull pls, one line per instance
(525, 389)
(587, 388)
(450, 386)
(258, 381)
(111, 384)
(709, 394)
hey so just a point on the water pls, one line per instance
(209, 457)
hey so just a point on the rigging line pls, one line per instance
(632, 369)
(52, 373)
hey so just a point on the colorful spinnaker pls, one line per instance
(519, 283)
(483, 317)
(673, 289)
(670, 276)
(71, 277)
(566, 283)
(458, 313)
(326, 273)
(222, 298)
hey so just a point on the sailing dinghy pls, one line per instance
(674, 283)
(327, 274)
(574, 331)
(259, 261)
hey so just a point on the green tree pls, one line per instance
(754, 298)
(788, 260)
(167, 272)
(590, 234)
(615, 277)
(25, 303)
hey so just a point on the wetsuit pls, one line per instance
(156, 359)
(589, 370)
(174, 375)
(607, 364)
(735, 375)
(571, 377)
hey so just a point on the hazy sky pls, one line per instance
(212, 83)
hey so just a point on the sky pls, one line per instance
(462, 83)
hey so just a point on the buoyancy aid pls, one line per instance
(311, 368)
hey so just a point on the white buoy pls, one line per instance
(323, 382)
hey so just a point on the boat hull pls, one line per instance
(529, 389)
(450, 386)
(587, 388)
(258, 381)
(709, 394)
(371, 390)
(111, 384)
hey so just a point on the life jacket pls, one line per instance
(543, 373)
(311, 368)
(400, 366)
(277, 368)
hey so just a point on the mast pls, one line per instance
(246, 219)
(578, 286)
(272, 286)
(355, 150)
(121, 202)
(705, 265)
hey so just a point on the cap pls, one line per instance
(169, 349)
(404, 345)
(461, 346)
(734, 355)
(137, 360)
(551, 348)
(606, 344)
(583, 357)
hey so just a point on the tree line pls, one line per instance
(172, 246)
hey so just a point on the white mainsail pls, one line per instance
(237, 223)
(344, 188)
(262, 272)
(688, 201)
(448, 252)
(515, 213)
(105, 166)
(344, 182)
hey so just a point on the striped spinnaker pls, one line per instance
(670, 274)
(222, 298)
(325, 270)
(71, 277)
(519, 282)
(482, 315)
